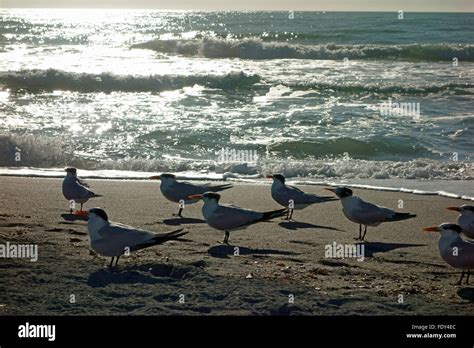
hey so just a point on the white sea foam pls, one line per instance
(254, 48)
(451, 188)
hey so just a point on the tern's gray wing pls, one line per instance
(181, 190)
(125, 236)
(116, 238)
(368, 213)
(230, 217)
(301, 197)
(284, 194)
(81, 182)
(294, 189)
(72, 189)
(216, 188)
(193, 188)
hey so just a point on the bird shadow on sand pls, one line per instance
(73, 217)
(377, 247)
(467, 294)
(224, 251)
(296, 225)
(151, 273)
(182, 221)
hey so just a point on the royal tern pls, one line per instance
(465, 219)
(74, 189)
(292, 197)
(113, 239)
(178, 192)
(364, 213)
(457, 252)
(228, 217)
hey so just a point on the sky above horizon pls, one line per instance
(296, 5)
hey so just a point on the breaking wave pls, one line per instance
(45, 152)
(250, 48)
(52, 79)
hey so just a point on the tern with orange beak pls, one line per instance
(74, 189)
(457, 252)
(292, 197)
(365, 213)
(113, 239)
(178, 192)
(228, 217)
(465, 219)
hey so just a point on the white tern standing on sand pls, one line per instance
(113, 239)
(179, 192)
(365, 213)
(74, 189)
(465, 219)
(457, 252)
(292, 197)
(228, 217)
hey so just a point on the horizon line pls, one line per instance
(221, 10)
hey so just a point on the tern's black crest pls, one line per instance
(71, 170)
(168, 175)
(452, 227)
(342, 192)
(212, 195)
(99, 212)
(468, 207)
(279, 177)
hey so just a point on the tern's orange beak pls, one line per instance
(269, 176)
(194, 197)
(431, 229)
(155, 177)
(454, 208)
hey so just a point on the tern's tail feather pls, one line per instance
(95, 195)
(160, 239)
(273, 214)
(327, 199)
(401, 216)
(173, 235)
(218, 188)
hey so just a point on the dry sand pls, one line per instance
(286, 260)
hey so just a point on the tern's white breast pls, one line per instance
(455, 251)
(350, 205)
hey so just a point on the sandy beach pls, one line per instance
(281, 267)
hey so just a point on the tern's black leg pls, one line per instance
(291, 214)
(116, 261)
(468, 275)
(360, 233)
(179, 212)
(226, 237)
(111, 262)
(81, 206)
(462, 277)
(365, 232)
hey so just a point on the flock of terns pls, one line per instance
(113, 239)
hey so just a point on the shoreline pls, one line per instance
(457, 189)
(276, 259)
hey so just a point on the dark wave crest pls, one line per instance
(52, 79)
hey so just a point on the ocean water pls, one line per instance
(308, 94)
